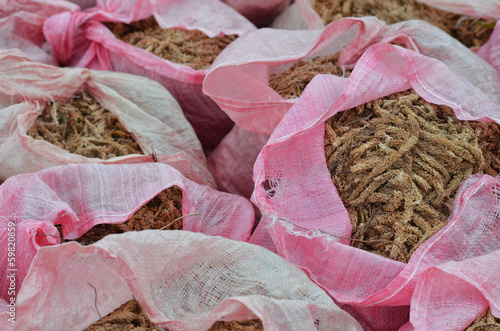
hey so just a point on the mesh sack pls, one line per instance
(84, 4)
(143, 107)
(259, 12)
(239, 78)
(302, 14)
(81, 40)
(21, 26)
(489, 9)
(79, 196)
(452, 295)
(232, 161)
(312, 228)
(184, 281)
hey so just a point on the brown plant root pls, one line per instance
(397, 163)
(248, 325)
(191, 48)
(130, 316)
(485, 322)
(82, 126)
(470, 32)
(292, 82)
(161, 212)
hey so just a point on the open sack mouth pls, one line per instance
(82, 126)
(163, 212)
(292, 82)
(192, 48)
(397, 163)
(469, 31)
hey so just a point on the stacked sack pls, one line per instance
(184, 170)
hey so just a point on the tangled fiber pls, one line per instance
(191, 48)
(397, 163)
(82, 126)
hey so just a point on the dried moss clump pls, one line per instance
(292, 82)
(161, 212)
(191, 48)
(485, 322)
(397, 163)
(130, 316)
(471, 32)
(248, 325)
(82, 126)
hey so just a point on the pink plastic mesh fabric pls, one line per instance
(239, 78)
(293, 161)
(144, 107)
(184, 281)
(232, 161)
(482, 9)
(81, 40)
(83, 195)
(259, 12)
(301, 14)
(21, 25)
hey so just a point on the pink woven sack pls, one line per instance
(304, 219)
(79, 196)
(450, 296)
(81, 40)
(143, 107)
(478, 9)
(302, 15)
(21, 25)
(259, 12)
(232, 161)
(227, 280)
(239, 78)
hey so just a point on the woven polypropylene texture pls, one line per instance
(81, 40)
(239, 78)
(80, 196)
(232, 161)
(21, 25)
(483, 8)
(303, 13)
(303, 215)
(144, 107)
(184, 281)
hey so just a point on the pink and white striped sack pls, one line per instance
(239, 79)
(21, 26)
(294, 190)
(227, 280)
(79, 196)
(81, 40)
(143, 107)
(259, 12)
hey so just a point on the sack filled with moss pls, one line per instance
(173, 43)
(88, 202)
(56, 116)
(173, 280)
(471, 30)
(383, 162)
(256, 82)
